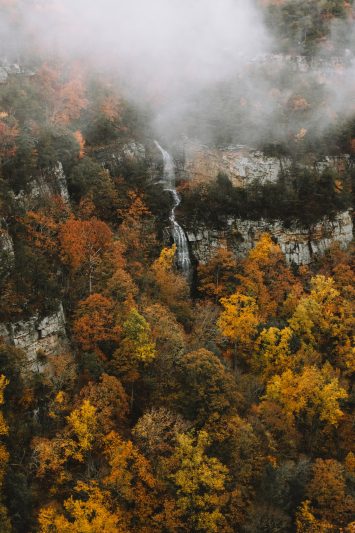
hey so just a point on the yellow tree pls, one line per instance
(110, 401)
(338, 264)
(83, 243)
(136, 350)
(166, 258)
(312, 394)
(95, 323)
(89, 514)
(114, 280)
(173, 288)
(266, 276)
(329, 501)
(135, 488)
(199, 482)
(3, 425)
(137, 233)
(324, 322)
(238, 322)
(306, 522)
(272, 353)
(137, 337)
(168, 334)
(83, 428)
(75, 443)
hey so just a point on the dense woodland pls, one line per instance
(222, 407)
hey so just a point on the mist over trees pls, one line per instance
(202, 67)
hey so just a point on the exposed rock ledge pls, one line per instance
(6, 245)
(299, 245)
(35, 335)
(242, 164)
(7, 69)
(7, 253)
(51, 182)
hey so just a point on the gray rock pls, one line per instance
(241, 164)
(7, 253)
(3, 75)
(134, 150)
(46, 335)
(244, 165)
(49, 183)
(299, 245)
(6, 242)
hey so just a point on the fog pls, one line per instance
(178, 56)
(167, 45)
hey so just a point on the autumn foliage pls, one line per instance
(95, 323)
(218, 403)
(83, 242)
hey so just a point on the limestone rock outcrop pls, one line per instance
(240, 163)
(50, 182)
(299, 245)
(46, 335)
(117, 154)
(6, 242)
(7, 253)
(7, 69)
(243, 164)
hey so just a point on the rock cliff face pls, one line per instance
(7, 69)
(46, 335)
(7, 254)
(242, 164)
(6, 242)
(114, 155)
(299, 245)
(51, 182)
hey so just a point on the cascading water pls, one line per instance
(178, 234)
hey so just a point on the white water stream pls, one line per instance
(178, 234)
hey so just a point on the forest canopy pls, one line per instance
(221, 401)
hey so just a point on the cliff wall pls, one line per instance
(243, 164)
(46, 335)
(298, 244)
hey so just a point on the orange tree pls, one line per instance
(83, 242)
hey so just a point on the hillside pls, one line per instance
(177, 281)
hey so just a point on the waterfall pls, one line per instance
(178, 234)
